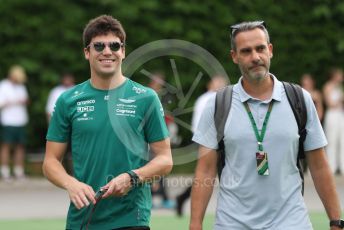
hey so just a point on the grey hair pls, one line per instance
(247, 26)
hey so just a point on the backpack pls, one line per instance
(297, 103)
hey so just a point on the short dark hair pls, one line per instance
(247, 26)
(103, 25)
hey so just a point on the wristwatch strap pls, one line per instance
(337, 223)
(134, 178)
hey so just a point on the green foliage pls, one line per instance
(46, 38)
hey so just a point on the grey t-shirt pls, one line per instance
(246, 199)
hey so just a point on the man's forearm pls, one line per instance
(56, 174)
(326, 188)
(324, 182)
(159, 166)
(202, 190)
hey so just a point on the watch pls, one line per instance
(134, 178)
(337, 223)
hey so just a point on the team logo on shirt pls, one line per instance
(139, 90)
(85, 107)
(86, 102)
(85, 117)
(128, 101)
(77, 93)
(126, 108)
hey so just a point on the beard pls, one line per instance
(256, 72)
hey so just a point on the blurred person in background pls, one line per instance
(334, 119)
(216, 82)
(14, 117)
(66, 82)
(308, 83)
(158, 84)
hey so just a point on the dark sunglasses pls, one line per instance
(238, 26)
(100, 46)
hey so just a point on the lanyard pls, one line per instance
(260, 137)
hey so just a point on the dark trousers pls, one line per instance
(133, 228)
(161, 190)
(185, 195)
(181, 200)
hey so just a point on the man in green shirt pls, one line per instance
(112, 122)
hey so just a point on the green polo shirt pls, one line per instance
(109, 132)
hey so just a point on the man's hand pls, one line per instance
(80, 194)
(118, 186)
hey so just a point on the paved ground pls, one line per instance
(37, 198)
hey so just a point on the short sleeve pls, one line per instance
(205, 133)
(315, 137)
(155, 127)
(60, 126)
(49, 108)
(2, 96)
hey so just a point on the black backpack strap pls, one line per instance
(222, 108)
(298, 105)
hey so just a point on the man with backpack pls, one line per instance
(260, 183)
